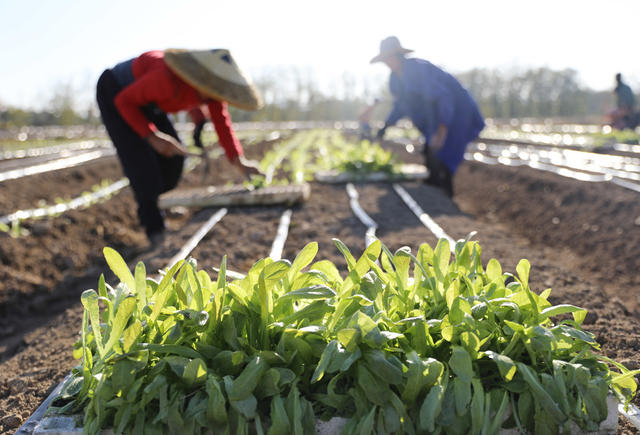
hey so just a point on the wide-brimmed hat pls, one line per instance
(215, 74)
(390, 47)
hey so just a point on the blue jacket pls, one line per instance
(625, 97)
(430, 96)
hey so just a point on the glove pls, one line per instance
(380, 133)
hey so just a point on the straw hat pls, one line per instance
(390, 47)
(215, 74)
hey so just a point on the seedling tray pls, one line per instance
(410, 171)
(67, 425)
(229, 196)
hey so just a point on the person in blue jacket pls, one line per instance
(438, 106)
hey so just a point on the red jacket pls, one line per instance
(156, 83)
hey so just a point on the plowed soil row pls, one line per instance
(40, 319)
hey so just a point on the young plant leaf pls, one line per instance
(119, 268)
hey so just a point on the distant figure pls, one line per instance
(624, 116)
(365, 121)
(437, 104)
(135, 97)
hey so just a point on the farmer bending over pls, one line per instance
(134, 98)
(437, 104)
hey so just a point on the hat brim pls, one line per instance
(239, 91)
(382, 56)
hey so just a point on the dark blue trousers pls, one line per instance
(149, 173)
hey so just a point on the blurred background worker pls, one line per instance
(134, 98)
(624, 116)
(437, 104)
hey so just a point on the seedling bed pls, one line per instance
(406, 172)
(67, 425)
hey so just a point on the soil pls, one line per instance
(588, 254)
(22, 194)
(596, 224)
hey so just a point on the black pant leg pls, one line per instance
(439, 175)
(139, 161)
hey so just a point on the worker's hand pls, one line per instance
(246, 167)
(165, 145)
(437, 140)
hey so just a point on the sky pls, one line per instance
(48, 44)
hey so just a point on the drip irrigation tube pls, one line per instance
(623, 167)
(80, 201)
(627, 148)
(539, 138)
(55, 165)
(285, 220)
(627, 184)
(564, 172)
(48, 150)
(568, 173)
(632, 414)
(372, 226)
(424, 217)
(281, 235)
(199, 235)
(619, 166)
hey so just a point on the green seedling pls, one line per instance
(402, 342)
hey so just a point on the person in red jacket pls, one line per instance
(135, 97)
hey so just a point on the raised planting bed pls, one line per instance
(404, 343)
(228, 196)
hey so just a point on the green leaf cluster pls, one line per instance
(400, 343)
(307, 152)
(363, 157)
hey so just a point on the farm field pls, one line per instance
(582, 239)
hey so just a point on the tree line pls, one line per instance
(293, 96)
(540, 92)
